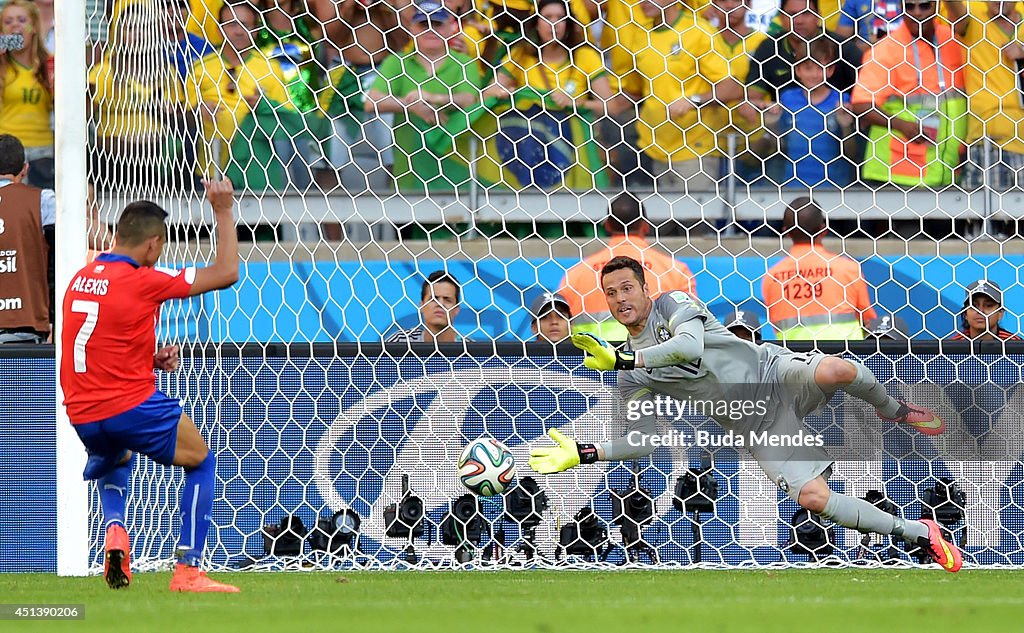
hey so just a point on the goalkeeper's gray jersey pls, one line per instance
(729, 369)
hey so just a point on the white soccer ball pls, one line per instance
(487, 467)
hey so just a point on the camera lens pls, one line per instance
(411, 511)
(465, 509)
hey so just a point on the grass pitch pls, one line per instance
(790, 601)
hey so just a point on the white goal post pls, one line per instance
(72, 139)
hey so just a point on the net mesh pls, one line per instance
(308, 436)
(374, 143)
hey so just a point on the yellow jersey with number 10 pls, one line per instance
(26, 107)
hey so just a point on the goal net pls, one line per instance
(375, 143)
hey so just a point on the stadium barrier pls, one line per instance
(311, 430)
(752, 205)
(325, 300)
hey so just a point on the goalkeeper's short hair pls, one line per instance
(623, 262)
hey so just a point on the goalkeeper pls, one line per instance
(677, 349)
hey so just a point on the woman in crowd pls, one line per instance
(505, 22)
(251, 120)
(559, 88)
(26, 90)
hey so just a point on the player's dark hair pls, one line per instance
(12, 155)
(623, 263)
(626, 214)
(436, 277)
(140, 221)
(803, 221)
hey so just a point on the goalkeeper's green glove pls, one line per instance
(602, 356)
(568, 453)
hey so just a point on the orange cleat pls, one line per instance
(189, 579)
(922, 419)
(942, 551)
(117, 569)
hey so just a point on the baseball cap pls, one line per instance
(430, 11)
(743, 318)
(548, 301)
(984, 287)
(887, 326)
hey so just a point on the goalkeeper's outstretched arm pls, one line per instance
(685, 346)
(636, 442)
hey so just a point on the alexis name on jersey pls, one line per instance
(90, 286)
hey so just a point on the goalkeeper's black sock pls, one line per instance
(866, 387)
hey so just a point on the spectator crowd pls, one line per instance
(440, 95)
(433, 95)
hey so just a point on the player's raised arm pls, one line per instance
(223, 272)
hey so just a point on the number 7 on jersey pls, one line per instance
(91, 310)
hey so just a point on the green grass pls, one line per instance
(701, 601)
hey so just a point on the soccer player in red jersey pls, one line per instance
(108, 342)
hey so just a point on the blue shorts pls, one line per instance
(150, 428)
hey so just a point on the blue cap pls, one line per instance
(430, 11)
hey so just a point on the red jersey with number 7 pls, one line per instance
(111, 309)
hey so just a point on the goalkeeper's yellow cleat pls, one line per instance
(547, 459)
(600, 355)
